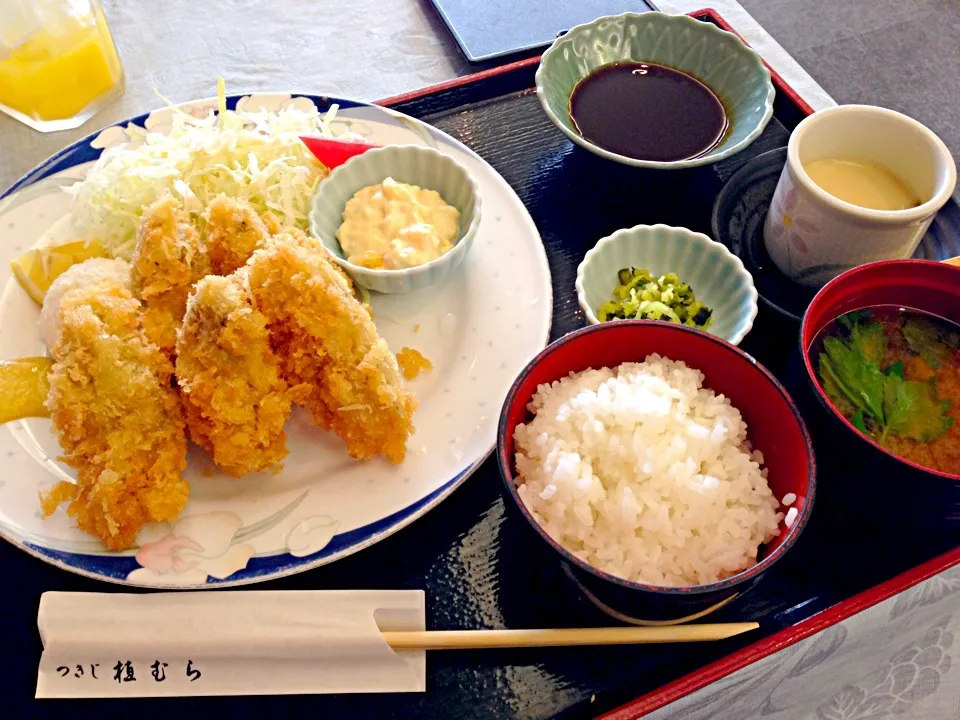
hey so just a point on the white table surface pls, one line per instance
(363, 49)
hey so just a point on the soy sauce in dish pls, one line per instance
(648, 112)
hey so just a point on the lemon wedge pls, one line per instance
(24, 386)
(37, 269)
(953, 261)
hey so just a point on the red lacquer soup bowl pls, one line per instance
(888, 487)
(774, 427)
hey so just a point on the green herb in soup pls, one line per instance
(895, 374)
(642, 296)
(929, 341)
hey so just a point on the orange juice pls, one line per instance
(61, 70)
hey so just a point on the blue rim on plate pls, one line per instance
(737, 221)
(115, 567)
(83, 151)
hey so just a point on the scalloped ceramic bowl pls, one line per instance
(719, 59)
(411, 164)
(717, 277)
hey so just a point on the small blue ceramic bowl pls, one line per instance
(720, 60)
(413, 165)
(717, 277)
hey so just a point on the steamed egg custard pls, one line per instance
(392, 226)
(863, 183)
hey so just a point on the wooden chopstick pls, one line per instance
(480, 639)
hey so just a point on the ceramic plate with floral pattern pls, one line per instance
(479, 328)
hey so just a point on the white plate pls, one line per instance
(479, 328)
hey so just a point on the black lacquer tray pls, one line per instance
(483, 569)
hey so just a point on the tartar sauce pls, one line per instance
(394, 226)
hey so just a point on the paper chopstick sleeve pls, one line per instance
(227, 643)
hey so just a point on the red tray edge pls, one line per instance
(708, 13)
(788, 636)
(844, 609)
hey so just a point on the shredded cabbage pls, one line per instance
(256, 156)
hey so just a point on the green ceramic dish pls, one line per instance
(717, 58)
(411, 164)
(717, 277)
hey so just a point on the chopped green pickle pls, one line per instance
(641, 296)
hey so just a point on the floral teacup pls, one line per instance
(813, 236)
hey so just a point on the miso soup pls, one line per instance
(894, 373)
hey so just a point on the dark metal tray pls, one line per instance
(481, 569)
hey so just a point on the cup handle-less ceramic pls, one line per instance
(813, 236)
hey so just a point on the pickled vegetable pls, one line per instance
(24, 388)
(642, 296)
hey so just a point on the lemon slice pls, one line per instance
(24, 386)
(37, 269)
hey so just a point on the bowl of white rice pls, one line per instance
(665, 466)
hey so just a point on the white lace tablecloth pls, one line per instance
(900, 658)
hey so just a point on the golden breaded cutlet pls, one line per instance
(118, 418)
(169, 258)
(328, 343)
(233, 230)
(236, 402)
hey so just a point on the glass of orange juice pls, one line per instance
(58, 63)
